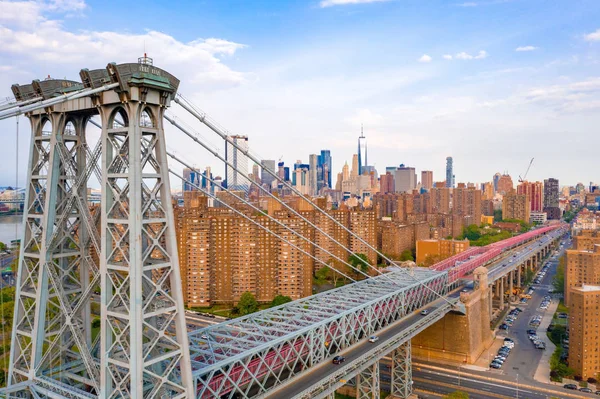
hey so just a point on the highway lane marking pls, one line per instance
(465, 389)
(477, 381)
(536, 389)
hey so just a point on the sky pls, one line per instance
(492, 83)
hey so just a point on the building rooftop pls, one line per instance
(587, 288)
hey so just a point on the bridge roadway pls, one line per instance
(324, 378)
(363, 354)
(517, 259)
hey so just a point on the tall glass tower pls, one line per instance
(449, 174)
(362, 151)
(324, 170)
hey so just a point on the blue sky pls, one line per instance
(491, 83)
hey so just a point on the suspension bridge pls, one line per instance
(126, 249)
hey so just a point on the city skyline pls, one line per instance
(489, 100)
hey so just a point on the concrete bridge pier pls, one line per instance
(502, 292)
(511, 278)
(460, 338)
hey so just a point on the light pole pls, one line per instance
(517, 386)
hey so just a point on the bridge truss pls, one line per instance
(127, 251)
(249, 356)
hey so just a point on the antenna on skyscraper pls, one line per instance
(361, 131)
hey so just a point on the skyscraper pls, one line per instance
(550, 193)
(206, 183)
(237, 176)
(191, 178)
(505, 184)
(535, 193)
(354, 172)
(427, 179)
(495, 180)
(362, 152)
(405, 179)
(449, 173)
(313, 160)
(324, 170)
(265, 177)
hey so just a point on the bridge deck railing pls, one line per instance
(251, 354)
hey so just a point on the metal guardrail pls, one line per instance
(344, 373)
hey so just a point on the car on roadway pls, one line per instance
(597, 392)
(495, 365)
(424, 312)
(339, 359)
(585, 390)
(508, 339)
(503, 326)
(373, 338)
(570, 386)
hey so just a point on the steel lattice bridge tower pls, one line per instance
(121, 257)
(142, 348)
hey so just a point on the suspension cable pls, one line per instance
(203, 117)
(221, 158)
(207, 193)
(173, 156)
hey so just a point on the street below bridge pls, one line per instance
(321, 372)
(433, 380)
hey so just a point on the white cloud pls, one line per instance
(592, 37)
(526, 48)
(447, 56)
(30, 37)
(17, 13)
(331, 3)
(65, 5)
(425, 58)
(466, 56)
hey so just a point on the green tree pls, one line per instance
(431, 260)
(407, 255)
(497, 215)
(280, 300)
(457, 395)
(247, 304)
(359, 261)
(558, 282)
(472, 233)
(321, 275)
(2, 246)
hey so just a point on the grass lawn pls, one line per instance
(217, 310)
(562, 308)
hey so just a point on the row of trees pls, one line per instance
(248, 303)
(481, 236)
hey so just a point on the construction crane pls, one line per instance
(521, 180)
